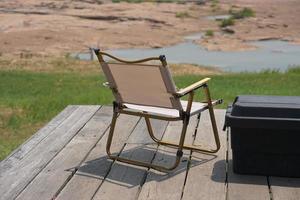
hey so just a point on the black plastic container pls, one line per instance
(265, 135)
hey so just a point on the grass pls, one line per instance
(240, 14)
(227, 22)
(29, 99)
(228, 86)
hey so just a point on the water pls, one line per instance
(218, 17)
(196, 36)
(270, 55)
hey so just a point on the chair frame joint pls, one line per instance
(116, 107)
(163, 60)
(96, 50)
(186, 116)
(179, 153)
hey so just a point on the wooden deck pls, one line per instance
(66, 160)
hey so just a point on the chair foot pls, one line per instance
(187, 147)
(136, 162)
(148, 165)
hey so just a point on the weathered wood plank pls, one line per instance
(63, 166)
(17, 155)
(247, 187)
(285, 188)
(206, 179)
(88, 178)
(168, 186)
(21, 174)
(126, 179)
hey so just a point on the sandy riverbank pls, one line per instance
(59, 27)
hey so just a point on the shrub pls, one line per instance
(214, 3)
(209, 33)
(184, 14)
(227, 22)
(244, 13)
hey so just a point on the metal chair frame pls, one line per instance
(184, 116)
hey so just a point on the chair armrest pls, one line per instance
(192, 87)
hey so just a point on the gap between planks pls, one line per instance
(21, 174)
(18, 154)
(91, 173)
(246, 187)
(126, 179)
(61, 169)
(157, 185)
(206, 172)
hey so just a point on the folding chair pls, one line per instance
(148, 90)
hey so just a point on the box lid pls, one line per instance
(264, 112)
(266, 106)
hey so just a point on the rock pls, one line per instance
(274, 26)
(269, 38)
(200, 2)
(155, 45)
(260, 26)
(228, 30)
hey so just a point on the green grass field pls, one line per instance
(29, 99)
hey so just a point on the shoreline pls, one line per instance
(73, 27)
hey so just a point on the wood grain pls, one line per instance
(17, 155)
(126, 179)
(192, 87)
(21, 174)
(206, 179)
(67, 160)
(91, 173)
(168, 186)
(63, 166)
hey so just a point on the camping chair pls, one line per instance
(148, 90)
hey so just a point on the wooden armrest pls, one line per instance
(192, 87)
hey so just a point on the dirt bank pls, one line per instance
(56, 27)
(53, 27)
(274, 19)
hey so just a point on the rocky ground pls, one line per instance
(274, 19)
(55, 27)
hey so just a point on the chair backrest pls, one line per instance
(141, 84)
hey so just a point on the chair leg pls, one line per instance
(189, 147)
(144, 164)
(212, 118)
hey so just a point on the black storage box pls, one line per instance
(265, 135)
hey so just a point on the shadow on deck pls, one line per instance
(66, 159)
